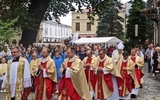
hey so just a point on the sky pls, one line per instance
(67, 20)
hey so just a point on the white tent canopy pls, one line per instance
(109, 40)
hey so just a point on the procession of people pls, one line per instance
(91, 72)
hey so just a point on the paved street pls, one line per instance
(150, 91)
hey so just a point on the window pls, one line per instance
(77, 17)
(88, 26)
(50, 32)
(55, 32)
(46, 31)
(77, 26)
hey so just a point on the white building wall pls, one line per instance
(52, 31)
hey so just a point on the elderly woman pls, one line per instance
(156, 58)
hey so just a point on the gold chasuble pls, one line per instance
(78, 80)
(126, 68)
(33, 66)
(105, 85)
(90, 76)
(46, 79)
(138, 63)
(3, 68)
(21, 88)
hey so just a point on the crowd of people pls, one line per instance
(75, 72)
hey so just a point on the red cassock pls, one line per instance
(127, 80)
(67, 86)
(39, 85)
(107, 78)
(26, 93)
(138, 72)
(90, 74)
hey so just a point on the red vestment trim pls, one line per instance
(90, 73)
(127, 80)
(139, 75)
(67, 86)
(26, 93)
(138, 72)
(39, 85)
(108, 80)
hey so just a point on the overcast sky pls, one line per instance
(68, 19)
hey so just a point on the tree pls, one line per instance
(31, 13)
(109, 20)
(150, 23)
(136, 17)
(7, 30)
(14, 41)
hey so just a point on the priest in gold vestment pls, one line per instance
(17, 81)
(126, 69)
(33, 67)
(45, 77)
(73, 85)
(89, 62)
(138, 66)
(33, 63)
(108, 78)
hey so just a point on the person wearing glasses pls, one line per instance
(45, 76)
(17, 81)
(126, 68)
(89, 62)
(73, 85)
(108, 79)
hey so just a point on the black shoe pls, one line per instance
(133, 96)
(141, 86)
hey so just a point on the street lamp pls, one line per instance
(136, 29)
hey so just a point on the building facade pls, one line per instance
(53, 32)
(82, 25)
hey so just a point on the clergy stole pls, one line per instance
(138, 72)
(66, 88)
(19, 82)
(127, 80)
(90, 75)
(107, 78)
(44, 87)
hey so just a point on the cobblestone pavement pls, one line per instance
(150, 90)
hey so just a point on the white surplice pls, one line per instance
(13, 77)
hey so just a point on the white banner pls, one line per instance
(75, 36)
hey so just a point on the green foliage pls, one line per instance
(11, 9)
(109, 20)
(136, 17)
(7, 41)
(14, 41)
(150, 23)
(7, 30)
(1, 47)
(31, 12)
(19, 42)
